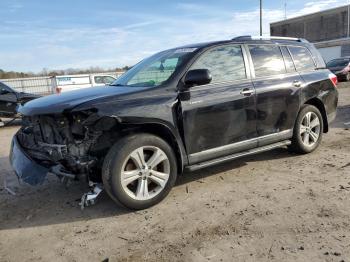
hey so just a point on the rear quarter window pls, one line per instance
(288, 60)
(302, 58)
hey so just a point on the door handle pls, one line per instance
(247, 92)
(297, 83)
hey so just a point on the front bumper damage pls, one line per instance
(29, 172)
(71, 150)
(25, 168)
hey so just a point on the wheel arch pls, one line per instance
(164, 132)
(316, 102)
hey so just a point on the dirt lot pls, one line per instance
(273, 206)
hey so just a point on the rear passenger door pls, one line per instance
(278, 87)
(219, 118)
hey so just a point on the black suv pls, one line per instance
(186, 108)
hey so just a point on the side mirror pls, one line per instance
(197, 77)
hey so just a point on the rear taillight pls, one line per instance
(334, 79)
(58, 90)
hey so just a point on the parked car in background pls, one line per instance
(72, 82)
(185, 108)
(10, 99)
(340, 67)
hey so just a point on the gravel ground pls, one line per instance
(275, 206)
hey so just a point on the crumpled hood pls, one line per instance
(57, 103)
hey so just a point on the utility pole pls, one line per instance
(261, 13)
(285, 10)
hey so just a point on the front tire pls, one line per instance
(139, 171)
(308, 130)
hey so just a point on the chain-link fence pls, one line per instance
(39, 85)
(34, 85)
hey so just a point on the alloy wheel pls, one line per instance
(145, 173)
(310, 129)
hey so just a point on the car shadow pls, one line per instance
(53, 203)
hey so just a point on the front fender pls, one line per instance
(158, 111)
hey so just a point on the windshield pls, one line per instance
(338, 63)
(155, 70)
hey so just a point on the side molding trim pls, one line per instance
(238, 155)
(221, 151)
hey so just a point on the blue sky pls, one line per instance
(82, 33)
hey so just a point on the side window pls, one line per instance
(302, 58)
(288, 59)
(108, 80)
(99, 80)
(267, 60)
(225, 63)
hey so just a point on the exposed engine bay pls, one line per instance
(71, 146)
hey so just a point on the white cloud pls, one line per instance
(15, 6)
(125, 45)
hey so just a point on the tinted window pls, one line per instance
(302, 58)
(225, 63)
(338, 63)
(267, 60)
(288, 59)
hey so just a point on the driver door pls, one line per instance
(219, 118)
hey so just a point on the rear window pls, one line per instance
(267, 60)
(302, 58)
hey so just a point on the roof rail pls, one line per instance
(249, 37)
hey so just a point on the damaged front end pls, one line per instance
(71, 146)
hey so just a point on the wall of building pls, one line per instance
(328, 30)
(327, 25)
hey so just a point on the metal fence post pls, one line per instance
(22, 85)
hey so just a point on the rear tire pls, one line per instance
(139, 171)
(308, 130)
